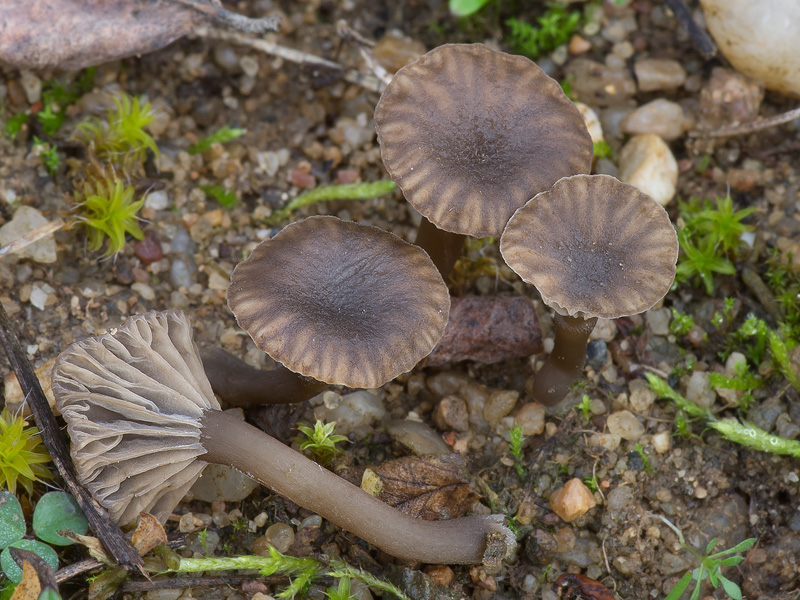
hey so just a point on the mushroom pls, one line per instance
(143, 423)
(593, 247)
(334, 301)
(470, 134)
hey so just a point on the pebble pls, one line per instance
(354, 413)
(157, 200)
(647, 162)
(182, 271)
(451, 414)
(279, 535)
(144, 291)
(351, 134)
(761, 40)
(660, 117)
(698, 389)
(530, 418)
(604, 329)
(148, 249)
(499, 404)
(662, 442)
(619, 498)
(395, 50)
(609, 441)
(442, 575)
(596, 354)
(579, 45)
(598, 85)
(417, 437)
(656, 74)
(658, 320)
(641, 395)
(592, 122)
(572, 500)
(32, 86)
(625, 424)
(728, 98)
(26, 219)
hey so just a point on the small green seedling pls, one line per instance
(49, 155)
(554, 28)
(701, 261)
(329, 193)
(681, 323)
(591, 483)
(54, 512)
(466, 8)
(15, 124)
(710, 566)
(516, 440)
(22, 454)
(639, 449)
(602, 149)
(585, 407)
(226, 198)
(321, 441)
(340, 592)
(108, 210)
(223, 135)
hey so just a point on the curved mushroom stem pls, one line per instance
(239, 384)
(232, 442)
(442, 246)
(563, 367)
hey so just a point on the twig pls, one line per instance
(77, 568)
(232, 19)
(365, 49)
(31, 237)
(98, 518)
(751, 127)
(369, 82)
(700, 39)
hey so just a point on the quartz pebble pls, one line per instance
(499, 405)
(698, 389)
(26, 219)
(655, 74)
(599, 85)
(354, 413)
(662, 442)
(625, 424)
(660, 117)
(572, 501)
(658, 320)
(222, 483)
(647, 162)
(609, 441)
(395, 50)
(451, 414)
(592, 122)
(280, 536)
(729, 98)
(417, 437)
(642, 395)
(530, 418)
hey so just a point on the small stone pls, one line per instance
(499, 405)
(417, 437)
(660, 117)
(728, 99)
(280, 536)
(625, 424)
(647, 162)
(599, 85)
(662, 442)
(261, 519)
(354, 413)
(530, 418)
(38, 297)
(302, 179)
(395, 50)
(579, 45)
(347, 176)
(441, 574)
(32, 86)
(351, 134)
(592, 122)
(157, 200)
(619, 498)
(596, 354)
(604, 329)
(642, 396)
(609, 441)
(572, 501)
(699, 391)
(218, 281)
(658, 320)
(451, 414)
(144, 291)
(148, 249)
(654, 74)
(27, 219)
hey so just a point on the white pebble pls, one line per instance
(660, 117)
(647, 162)
(625, 424)
(573, 500)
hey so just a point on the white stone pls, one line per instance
(698, 389)
(647, 162)
(760, 39)
(592, 122)
(642, 396)
(662, 442)
(144, 290)
(625, 424)
(604, 329)
(653, 74)
(573, 500)
(658, 320)
(157, 200)
(609, 441)
(26, 220)
(660, 117)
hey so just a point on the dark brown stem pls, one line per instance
(229, 441)
(443, 247)
(565, 363)
(239, 384)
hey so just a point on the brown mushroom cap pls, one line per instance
(132, 399)
(593, 247)
(343, 303)
(470, 134)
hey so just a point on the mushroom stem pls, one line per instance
(239, 384)
(563, 367)
(442, 246)
(232, 442)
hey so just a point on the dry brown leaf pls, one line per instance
(73, 34)
(29, 588)
(428, 487)
(36, 575)
(148, 534)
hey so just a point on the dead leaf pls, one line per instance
(105, 585)
(488, 329)
(37, 575)
(428, 487)
(73, 34)
(92, 544)
(149, 533)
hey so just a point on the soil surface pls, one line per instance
(307, 127)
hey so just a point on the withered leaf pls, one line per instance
(428, 487)
(73, 34)
(37, 575)
(148, 534)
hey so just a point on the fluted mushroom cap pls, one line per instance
(470, 134)
(593, 247)
(343, 303)
(132, 399)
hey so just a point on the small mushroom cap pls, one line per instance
(133, 398)
(593, 247)
(470, 134)
(343, 303)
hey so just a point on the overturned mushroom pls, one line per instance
(334, 301)
(470, 134)
(593, 247)
(144, 422)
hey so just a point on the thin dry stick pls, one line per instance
(31, 237)
(369, 82)
(752, 127)
(365, 49)
(232, 19)
(98, 518)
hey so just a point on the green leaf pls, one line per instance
(223, 135)
(730, 561)
(465, 8)
(12, 521)
(54, 512)
(227, 198)
(680, 587)
(731, 588)
(10, 568)
(711, 545)
(742, 546)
